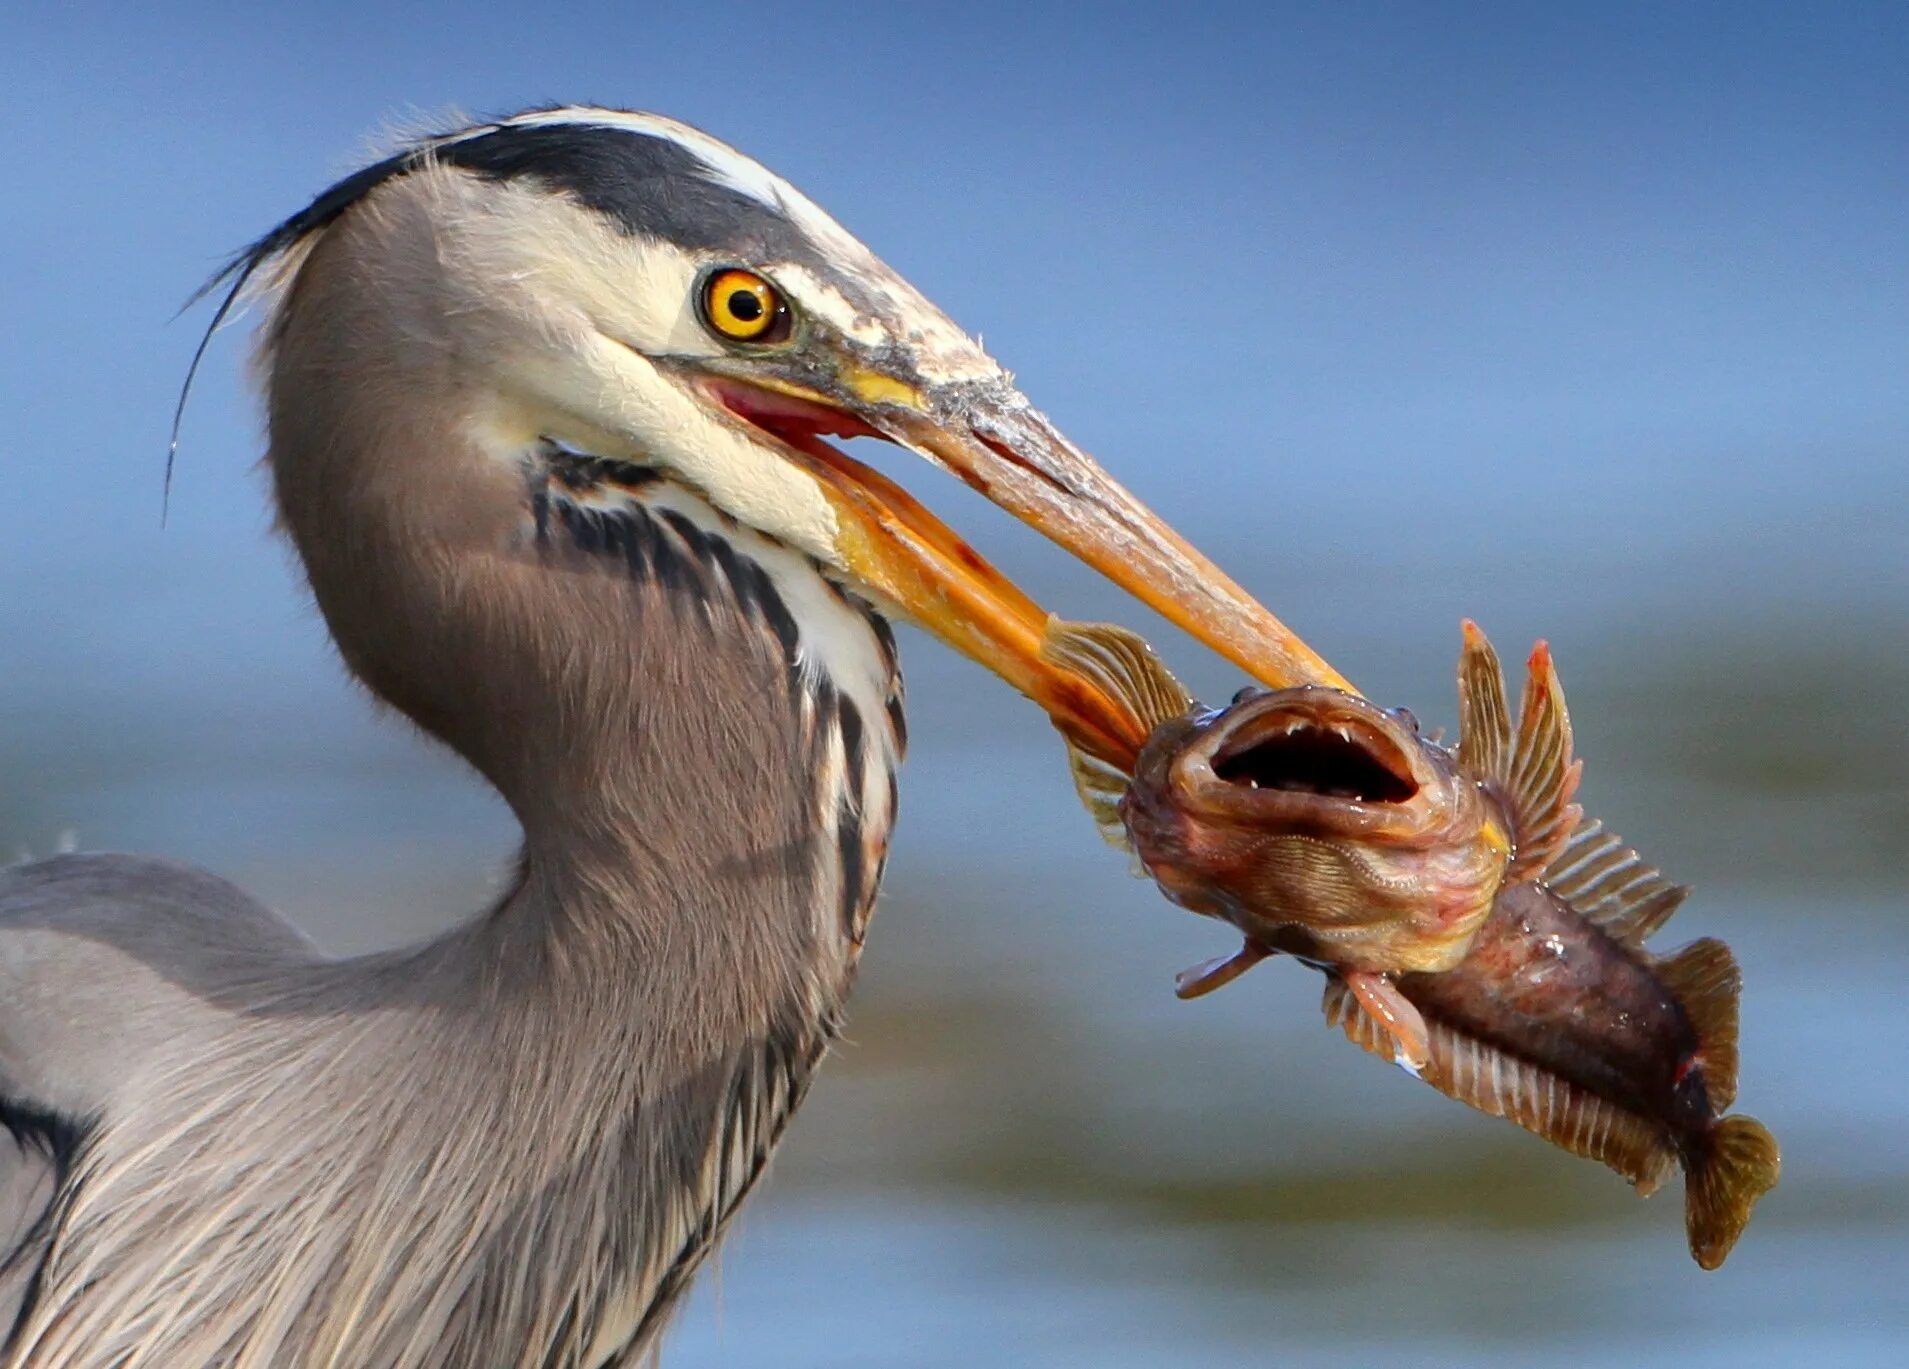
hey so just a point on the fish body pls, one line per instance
(1578, 1034)
(1472, 926)
(1541, 981)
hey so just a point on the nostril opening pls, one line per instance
(1014, 458)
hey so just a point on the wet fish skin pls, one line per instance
(1545, 1007)
(1574, 1031)
(1543, 983)
(1310, 817)
(1320, 824)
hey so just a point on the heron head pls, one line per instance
(629, 286)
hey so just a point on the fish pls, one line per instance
(1324, 826)
(1547, 1009)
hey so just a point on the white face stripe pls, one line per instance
(563, 312)
(555, 310)
(942, 351)
(820, 299)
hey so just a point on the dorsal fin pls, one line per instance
(1484, 718)
(1705, 980)
(1608, 883)
(1124, 667)
(1545, 775)
(1533, 772)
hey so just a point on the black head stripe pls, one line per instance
(646, 185)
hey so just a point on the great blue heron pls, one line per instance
(545, 397)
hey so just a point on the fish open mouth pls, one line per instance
(1301, 751)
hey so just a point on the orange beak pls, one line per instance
(995, 441)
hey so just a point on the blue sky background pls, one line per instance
(1464, 288)
(1589, 321)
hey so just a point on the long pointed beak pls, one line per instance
(995, 441)
(1002, 446)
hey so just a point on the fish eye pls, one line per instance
(1408, 717)
(738, 305)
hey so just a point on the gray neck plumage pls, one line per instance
(699, 734)
(528, 1132)
(701, 745)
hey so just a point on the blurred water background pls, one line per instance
(1586, 321)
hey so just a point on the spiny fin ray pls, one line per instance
(1484, 717)
(1121, 665)
(1481, 1076)
(1533, 769)
(1611, 885)
(1544, 776)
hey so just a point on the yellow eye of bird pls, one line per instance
(743, 307)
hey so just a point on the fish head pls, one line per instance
(1320, 823)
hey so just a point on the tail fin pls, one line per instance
(1739, 1164)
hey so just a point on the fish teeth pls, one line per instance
(1349, 731)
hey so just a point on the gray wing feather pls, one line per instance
(107, 958)
(105, 961)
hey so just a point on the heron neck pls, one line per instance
(705, 788)
(697, 733)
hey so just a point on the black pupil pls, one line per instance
(745, 305)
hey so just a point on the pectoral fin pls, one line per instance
(1101, 787)
(1124, 667)
(1395, 1015)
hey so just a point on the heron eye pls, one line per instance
(743, 307)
